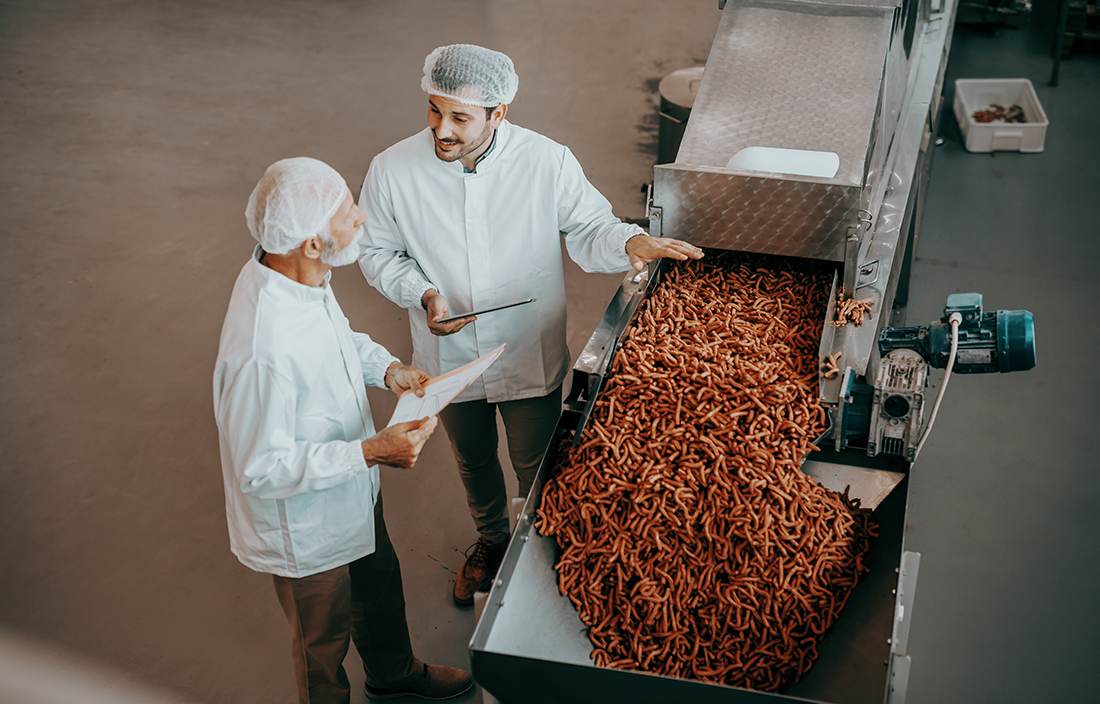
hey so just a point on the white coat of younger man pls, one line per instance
(471, 213)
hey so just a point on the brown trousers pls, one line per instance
(472, 429)
(363, 601)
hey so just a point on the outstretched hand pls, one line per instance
(643, 249)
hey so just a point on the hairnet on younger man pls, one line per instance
(470, 74)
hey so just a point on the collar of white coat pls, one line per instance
(455, 167)
(283, 286)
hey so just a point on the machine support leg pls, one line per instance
(1059, 40)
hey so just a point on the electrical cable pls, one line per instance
(955, 320)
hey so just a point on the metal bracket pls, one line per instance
(851, 263)
(897, 683)
(655, 215)
(866, 269)
(595, 382)
(903, 607)
(844, 398)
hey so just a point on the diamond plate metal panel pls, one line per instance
(713, 208)
(796, 75)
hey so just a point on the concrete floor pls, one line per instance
(1003, 505)
(132, 134)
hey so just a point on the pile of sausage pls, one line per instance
(830, 366)
(691, 544)
(999, 113)
(849, 310)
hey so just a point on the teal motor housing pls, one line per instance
(1000, 341)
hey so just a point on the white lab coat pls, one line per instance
(291, 409)
(484, 239)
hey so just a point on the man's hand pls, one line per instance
(436, 305)
(644, 249)
(405, 377)
(399, 445)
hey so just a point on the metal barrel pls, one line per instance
(677, 90)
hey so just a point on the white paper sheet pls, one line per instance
(441, 390)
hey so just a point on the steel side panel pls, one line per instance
(791, 75)
(798, 218)
(521, 680)
(907, 168)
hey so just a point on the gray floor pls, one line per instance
(1004, 506)
(132, 133)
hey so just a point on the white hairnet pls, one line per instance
(470, 74)
(294, 200)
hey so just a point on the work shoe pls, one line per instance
(435, 682)
(482, 562)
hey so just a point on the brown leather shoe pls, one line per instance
(482, 562)
(435, 682)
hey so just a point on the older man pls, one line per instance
(299, 450)
(469, 214)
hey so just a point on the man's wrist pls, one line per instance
(389, 370)
(427, 295)
(368, 452)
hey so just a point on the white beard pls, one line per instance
(342, 257)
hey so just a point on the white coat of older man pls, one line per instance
(299, 450)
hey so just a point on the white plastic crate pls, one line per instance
(973, 94)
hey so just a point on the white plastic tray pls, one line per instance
(973, 94)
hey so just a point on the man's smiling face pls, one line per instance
(459, 129)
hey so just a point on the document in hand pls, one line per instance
(441, 390)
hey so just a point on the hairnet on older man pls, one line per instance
(294, 200)
(470, 74)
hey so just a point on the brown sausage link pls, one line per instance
(692, 545)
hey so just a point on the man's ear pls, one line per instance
(498, 114)
(312, 248)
